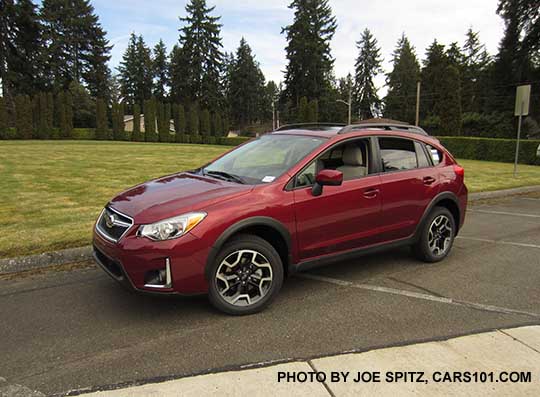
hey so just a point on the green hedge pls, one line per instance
(490, 149)
(88, 134)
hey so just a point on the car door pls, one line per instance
(342, 217)
(408, 184)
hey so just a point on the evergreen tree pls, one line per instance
(118, 121)
(313, 111)
(520, 43)
(449, 104)
(84, 114)
(310, 63)
(35, 116)
(114, 119)
(3, 119)
(102, 127)
(68, 98)
(60, 111)
(474, 74)
(136, 133)
(76, 48)
(179, 121)
(20, 49)
(178, 70)
(246, 87)
(226, 126)
(150, 108)
(163, 121)
(205, 122)
(303, 110)
(367, 67)
(160, 71)
(218, 125)
(96, 72)
(199, 60)
(45, 125)
(23, 116)
(435, 65)
(192, 125)
(136, 71)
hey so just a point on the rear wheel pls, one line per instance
(436, 236)
(246, 276)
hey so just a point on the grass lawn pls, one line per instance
(52, 191)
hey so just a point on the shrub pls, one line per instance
(3, 119)
(490, 149)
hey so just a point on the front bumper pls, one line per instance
(130, 260)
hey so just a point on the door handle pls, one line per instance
(428, 180)
(371, 193)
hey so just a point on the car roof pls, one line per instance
(328, 134)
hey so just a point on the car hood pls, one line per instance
(174, 195)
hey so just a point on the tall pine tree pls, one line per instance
(367, 67)
(246, 87)
(400, 101)
(76, 48)
(160, 66)
(197, 60)
(20, 49)
(310, 63)
(136, 71)
(434, 68)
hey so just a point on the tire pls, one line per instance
(432, 247)
(246, 276)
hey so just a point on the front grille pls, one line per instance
(113, 267)
(113, 225)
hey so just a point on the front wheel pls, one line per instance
(436, 236)
(246, 276)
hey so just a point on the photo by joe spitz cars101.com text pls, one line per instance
(287, 201)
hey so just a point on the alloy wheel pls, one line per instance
(244, 277)
(440, 235)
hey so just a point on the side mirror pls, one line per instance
(326, 178)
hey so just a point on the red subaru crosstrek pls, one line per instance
(282, 203)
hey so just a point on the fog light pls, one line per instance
(159, 278)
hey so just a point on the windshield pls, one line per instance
(264, 159)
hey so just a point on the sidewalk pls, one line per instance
(499, 352)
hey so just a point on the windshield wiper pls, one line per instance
(224, 175)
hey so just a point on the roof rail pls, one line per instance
(312, 126)
(383, 126)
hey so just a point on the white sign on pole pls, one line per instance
(523, 96)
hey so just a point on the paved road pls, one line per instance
(64, 331)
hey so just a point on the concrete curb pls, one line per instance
(22, 263)
(499, 352)
(503, 193)
(71, 255)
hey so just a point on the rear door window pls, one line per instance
(398, 154)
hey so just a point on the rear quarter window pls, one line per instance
(435, 154)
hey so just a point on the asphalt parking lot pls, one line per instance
(65, 331)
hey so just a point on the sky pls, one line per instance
(260, 23)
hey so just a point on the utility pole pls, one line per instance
(418, 103)
(273, 117)
(349, 105)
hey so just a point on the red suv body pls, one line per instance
(297, 198)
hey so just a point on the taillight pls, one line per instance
(459, 170)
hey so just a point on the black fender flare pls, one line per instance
(437, 199)
(243, 224)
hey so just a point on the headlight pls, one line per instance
(173, 227)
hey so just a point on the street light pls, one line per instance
(349, 104)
